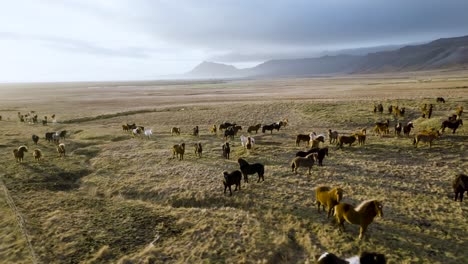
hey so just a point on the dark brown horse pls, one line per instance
(460, 185)
(452, 125)
(362, 215)
(302, 137)
(254, 128)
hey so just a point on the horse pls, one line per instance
(37, 154)
(322, 152)
(226, 125)
(440, 100)
(178, 151)
(452, 125)
(271, 127)
(19, 153)
(229, 133)
(427, 113)
(460, 185)
(213, 129)
(302, 137)
(407, 128)
(148, 133)
(346, 140)
(196, 131)
(362, 215)
(326, 196)
(307, 161)
(56, 137)
(398, 128)
(316, 139)
(198, 149)
(226, 150)
(248, 169)
(254, 128)
(247, 142)
(378, 108)
(61, 150)
(426, 137)
(390, 109)
(49, 135)
(361, 137)
(233, 178)
(35, 139)
(62, 134)
(137, 131)
(382, 127)
(364, 258)
(175, 130)
(332, 136)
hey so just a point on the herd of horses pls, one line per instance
(326, 197)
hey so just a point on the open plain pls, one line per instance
(115, 198)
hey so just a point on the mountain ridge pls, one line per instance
(437, 54)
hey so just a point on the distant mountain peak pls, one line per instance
(209, 69)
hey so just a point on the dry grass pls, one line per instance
(115, 198)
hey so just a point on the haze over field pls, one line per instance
(128, 40)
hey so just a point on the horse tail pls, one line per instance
(293, 165)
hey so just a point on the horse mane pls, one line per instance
(364, 205)
(23, 148)
(242, 162)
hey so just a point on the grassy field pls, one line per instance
(119, 199)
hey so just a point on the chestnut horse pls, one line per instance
(362, 215)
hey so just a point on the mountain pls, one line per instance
(214, 70)
(441, 53)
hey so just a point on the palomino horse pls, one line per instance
(362, 215)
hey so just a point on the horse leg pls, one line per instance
(329, 211)
(362, 230)
(456, 196)
(246, 178)
(461, 196)
(230, 192)
(341, 225)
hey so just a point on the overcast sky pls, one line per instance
(78, 40)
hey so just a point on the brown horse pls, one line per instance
(254, 128)
(302, 137)
(426, 136)
(362, 215)
(346, 140)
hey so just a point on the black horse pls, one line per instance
(276, 126)
(248, 169)
(322, 152)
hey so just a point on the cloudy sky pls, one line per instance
(79, 40)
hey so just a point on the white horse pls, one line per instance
(148, 132)
(247, 142)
